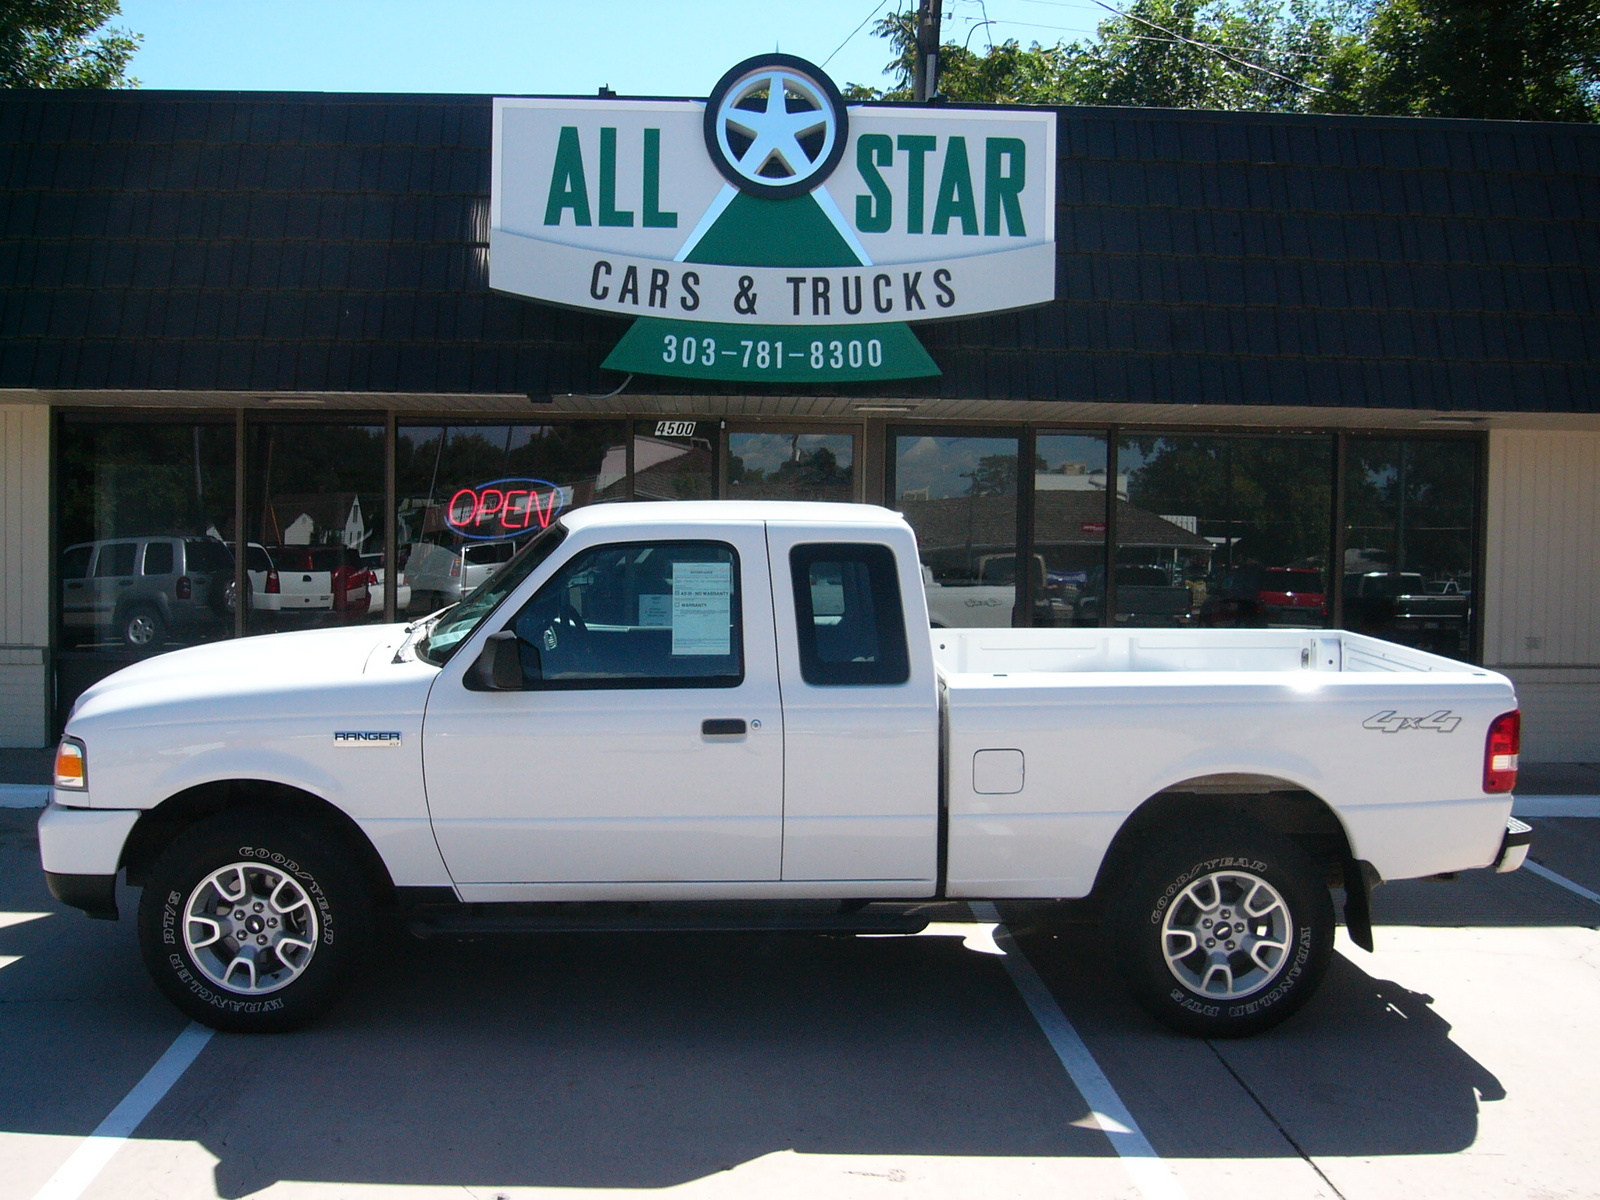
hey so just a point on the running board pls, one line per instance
(456, 920)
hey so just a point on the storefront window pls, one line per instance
(1223, 531)
(468, 495)
(960, 495)
(1409, 541)
(675, 460)
(791, 466)
(314, 515)
(1069, 526)
(146, 514)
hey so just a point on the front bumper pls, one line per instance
(81, 850)
(1514, 845)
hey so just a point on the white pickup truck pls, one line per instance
(734, 716)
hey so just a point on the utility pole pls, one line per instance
(929, 13)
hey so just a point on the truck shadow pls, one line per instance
(653, 1060)
(648, 1061)
(1368, 1068)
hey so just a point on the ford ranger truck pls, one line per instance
(735, 716)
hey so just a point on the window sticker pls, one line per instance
(655, 611)
(702, 608)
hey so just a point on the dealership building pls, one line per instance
(273, 361)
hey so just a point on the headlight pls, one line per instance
(72, 765)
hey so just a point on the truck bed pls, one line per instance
(1055, 736)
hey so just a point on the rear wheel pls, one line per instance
(142, 628)
(1224, 934)
(252, 926)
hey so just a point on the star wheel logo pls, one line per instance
(775, 126)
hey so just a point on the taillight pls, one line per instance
(185, 589)
(273, 586)
(1500, 753)
(71, 768)
(455, 568)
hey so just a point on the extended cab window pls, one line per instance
(640, 614)
(850, 622)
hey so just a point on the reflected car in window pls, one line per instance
(375, 578)
(1400, 605)
(1146, 596)
(144, 591)
(320, 579)
(441, 575)
(1262, 597)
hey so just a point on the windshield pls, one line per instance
(458, 622)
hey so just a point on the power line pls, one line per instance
(1217, 50)
(1178, 37)
(879, 4)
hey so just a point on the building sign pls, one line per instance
(504, 508)
(771, 232)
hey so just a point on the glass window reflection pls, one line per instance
(1410, 509)
(315, 518)
(1069, 525)
(146, 509)
(960, 495)
(675, 459)
(468, 496)
(791, 466)
(1223, 531)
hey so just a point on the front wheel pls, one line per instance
(250, 925)
(1224, 934)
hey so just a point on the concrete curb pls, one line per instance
(1556, 806)
(24, 795)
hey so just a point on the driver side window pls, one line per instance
(636, 615)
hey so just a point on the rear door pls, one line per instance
(113, 577)
(647, 746)
(77, 601)
(861, 714)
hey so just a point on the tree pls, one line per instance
(64, 44)
(1253, 54)
(1497, 59)
(1525, 60)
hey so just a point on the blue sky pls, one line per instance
(640, 47)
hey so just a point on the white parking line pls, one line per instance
(1577, 889)
(89, 1159)
(1152, 1177)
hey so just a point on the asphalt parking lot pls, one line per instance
(1458, 1060)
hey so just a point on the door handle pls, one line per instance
(721, 726)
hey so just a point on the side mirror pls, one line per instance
(498, 667)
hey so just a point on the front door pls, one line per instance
(647, 746)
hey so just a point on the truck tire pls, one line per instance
(1176, 931)
(252, 925)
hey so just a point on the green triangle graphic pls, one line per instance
(752, 232)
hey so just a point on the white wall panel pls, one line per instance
(1541, 594)
(24, 525)
(1541, 591)
(24, 573)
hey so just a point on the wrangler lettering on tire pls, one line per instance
(1222, 934)
(238, 922)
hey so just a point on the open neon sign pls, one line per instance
(504, 508)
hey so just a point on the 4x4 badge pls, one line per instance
(1443, 721)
